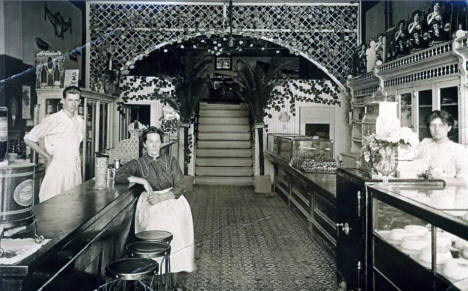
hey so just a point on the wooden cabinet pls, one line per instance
(313, 195)
(352, 253)
(96, 109)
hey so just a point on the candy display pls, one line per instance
(317, 162)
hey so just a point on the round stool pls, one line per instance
(153, 250)
(161, 236)
(130, 269)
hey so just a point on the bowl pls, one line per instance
(465, 252)
(417, 230)
(425, 257)
(397, 235)
(456, 269)
(460, 244)
(413, 245)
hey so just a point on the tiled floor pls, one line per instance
(248, 241)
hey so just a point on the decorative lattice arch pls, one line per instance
(325, 34)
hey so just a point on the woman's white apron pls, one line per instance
(175, 216)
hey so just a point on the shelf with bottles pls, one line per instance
(52, 106)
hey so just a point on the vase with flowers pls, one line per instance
(380, 151)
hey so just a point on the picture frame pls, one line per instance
(223, 63)
(26, 102)
(71, 78)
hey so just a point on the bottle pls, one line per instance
(56, 74)
(44, 74)
(3, 132)
(117, 164)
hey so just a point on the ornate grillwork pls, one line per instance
(325, 34)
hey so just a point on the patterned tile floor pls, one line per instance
(248, 241)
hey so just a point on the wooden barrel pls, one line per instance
(16, 194)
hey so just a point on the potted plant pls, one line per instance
(190, 86)
(255, 87)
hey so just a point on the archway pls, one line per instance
(131, 63)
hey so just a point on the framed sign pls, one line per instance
(71, 78)
(26, 102)
(223, 63)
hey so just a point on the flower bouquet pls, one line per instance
(380, 151)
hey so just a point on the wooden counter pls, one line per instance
(88, 229)
(314, 195)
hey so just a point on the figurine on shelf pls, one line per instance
(400, 38)
(362, 59)
(359, 60)
(371, 56)
(379, 50)
(438, 32)
(50, 72)
(416, 32)
(460, 33)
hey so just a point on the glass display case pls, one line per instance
(306, 153)
(420, 237)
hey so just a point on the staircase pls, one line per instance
(224, 147)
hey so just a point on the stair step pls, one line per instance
(223, 113)
(224, 171)
(223, 120)
(220, 162)
(210, 106)
(224, 128)
(224, 153)
(215, 144)
(223, 136)
(235, 181)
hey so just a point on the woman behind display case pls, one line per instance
(446, 159)
(162, 206)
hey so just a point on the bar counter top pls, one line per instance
(74, 221)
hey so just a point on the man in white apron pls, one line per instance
(62, 132)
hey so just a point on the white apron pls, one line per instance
(175, 216)
(64, 171)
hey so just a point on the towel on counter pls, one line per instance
(23, 247)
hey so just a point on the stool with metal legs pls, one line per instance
(154, 250)
(130, 270)
(161, 236)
